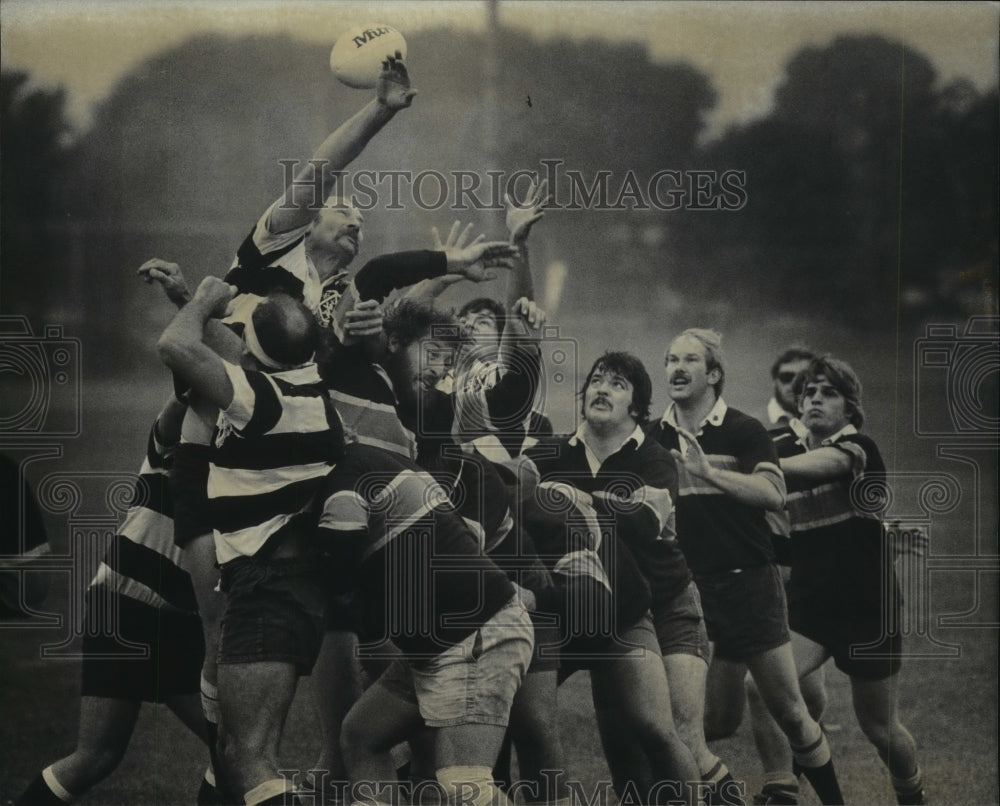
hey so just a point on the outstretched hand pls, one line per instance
(393, 86)
(521, 217)
(694, 459)
(169, 276)
(476, 261)
(456, 239)
(528, 311)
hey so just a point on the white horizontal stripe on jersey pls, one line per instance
(583, 563)
(230, 481)
(247, 542)
(301, 414)
(127, 586)
(152, 530)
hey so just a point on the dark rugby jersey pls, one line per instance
(839, 553)
(141, 561)
(493, 402)
(272, 448)
(360, 388)
(634, 491)
(781, 529)
(717, 532)
(479, 494)
(393, 535)
(364, 397)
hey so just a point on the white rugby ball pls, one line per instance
(356, 58)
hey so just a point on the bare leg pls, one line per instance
(254, 699)
(337, 684)
(534, 726)
(724, 698)
(632, 702)
(379, 720)
(106, 727)
(775, 674)
(875, 705)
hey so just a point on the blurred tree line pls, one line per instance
(870, 191)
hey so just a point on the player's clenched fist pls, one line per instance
(214, 296)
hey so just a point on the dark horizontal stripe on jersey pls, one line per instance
(267, 406)
(249, 256)
(152, 569)
(153, 456)
(261, 283)
(152, 491)
(233, 513)
(274, 451)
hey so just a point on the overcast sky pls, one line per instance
(742, 46)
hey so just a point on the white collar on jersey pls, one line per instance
(714, 417)
(637, 436)
(846, 431)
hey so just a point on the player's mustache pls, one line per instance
(679, 376)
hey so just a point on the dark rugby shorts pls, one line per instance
(745, 611)
(680, 625)
(113, 664)
(860, 647)
(275, 611)
(545, 653)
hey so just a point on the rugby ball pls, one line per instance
(356, 58)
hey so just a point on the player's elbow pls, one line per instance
(773, 499)
(173, 351)
(167, 349)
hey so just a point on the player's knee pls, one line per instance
(791, 715)
(877, 731)
(356, 739)
(100, 762)
(815, 697)
(722, 725)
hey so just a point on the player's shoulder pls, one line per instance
(786, 441)
(656, 464)
(735, 418)
(660, 431)
(652, 451)
(865, 443)
(551, 450)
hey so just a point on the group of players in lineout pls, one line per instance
(353, 484)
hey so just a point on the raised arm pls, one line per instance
(763, 488)
(521, 217)
(171, 280)
(818, 464)
(379, 277)
(299, 203)
(429, 289)
(182, 345)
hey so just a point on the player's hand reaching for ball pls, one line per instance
(169, 276)
(455, 241)
(475, 261)
(393, 87)
(526, 309)
(522, 216)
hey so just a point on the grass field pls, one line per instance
(949, 703)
